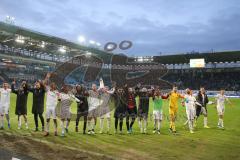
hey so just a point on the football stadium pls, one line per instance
(61, 99)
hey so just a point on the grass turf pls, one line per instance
(210, 143)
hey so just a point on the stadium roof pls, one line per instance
(230, 56)
(33, 41)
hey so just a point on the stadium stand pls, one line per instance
(228, 80)
(29, 55)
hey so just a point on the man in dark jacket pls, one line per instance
(82, 106)
(202, 99)
(38, 92)
(121, 107)
(21, 103)
(143, 108)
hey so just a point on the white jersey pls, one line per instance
(190, 101)
(221, 100)
(5, 97)
(52, 99)
(190, 106)
(93, 100)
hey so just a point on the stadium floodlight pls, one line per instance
(62, 49)
(92, 42)
(19, 39)
(81, 39)
(43, 44)
(89, 53)
(140, 59)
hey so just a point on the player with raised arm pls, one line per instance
(21, 103)
(51, 104)
(104, 108)
(221, 98)
(5, 93)
(38, 92)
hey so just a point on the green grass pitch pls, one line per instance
(210, 143)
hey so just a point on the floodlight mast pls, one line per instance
(81, 39)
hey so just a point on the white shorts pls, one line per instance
(220, 110)
(4, 110)
(157, 115)
(107, 115)
(191, 113)
(51, 112)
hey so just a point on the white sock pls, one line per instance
(190, 124)
(108, 124)
(89, 124)
(93, 124)
(205, 121)
(62, 126)
(145, 123)
(221, 122)
(155, 123)
(140, 124)
(159, 124)
(26, 124)
(101, 124)
(47, 127)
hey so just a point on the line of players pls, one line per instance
(96, 103)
